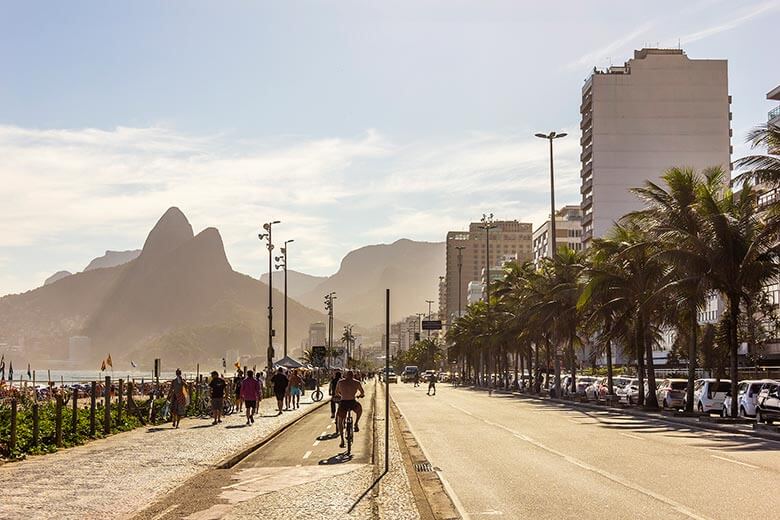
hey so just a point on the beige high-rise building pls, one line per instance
(509, 238)
(568, 231)
(659, 110)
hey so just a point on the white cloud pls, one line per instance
(730, 22)
(615, 47)
(66, 188)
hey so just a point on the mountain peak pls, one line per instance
(172, 230)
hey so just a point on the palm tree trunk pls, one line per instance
(610, 387)
(546, 365)
(522, 368)
(573, 364)
(734, 351)
(640, 360)
(652, 399)
(537, 372)
(691, 359)
(557, 361)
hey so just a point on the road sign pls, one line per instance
(431, 325)
(318, 356)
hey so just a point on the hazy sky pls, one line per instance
(352, 122)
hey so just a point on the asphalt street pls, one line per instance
(510, 457)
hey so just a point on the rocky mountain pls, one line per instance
(298, 283)
(113, 259)
(179, 299)
(59, 275)
(408, 268)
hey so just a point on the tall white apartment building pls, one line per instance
(568, 231)
(659, 110)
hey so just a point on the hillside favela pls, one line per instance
(415, 260)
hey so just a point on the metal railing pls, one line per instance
(774, 113)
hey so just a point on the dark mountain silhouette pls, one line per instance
(408, 268)
(179, 300)
(59, 275)
(297, 283)
(113, 259)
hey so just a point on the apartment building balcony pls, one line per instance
(587, 220)
(587, 186)
(587, 170)
(587, 153)
(587, 235)
(587, 103)
(587, 119)
(587, 137)
(587, 202)
(773, 117)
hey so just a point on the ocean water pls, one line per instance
(85, 376)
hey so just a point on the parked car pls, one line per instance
(628, 392)
(747, 397)
(427, 375)
(391, 377)
(584, 382)
(671, 393)
(408, 374)
(768, 403)
(709, 393)
(594, 390)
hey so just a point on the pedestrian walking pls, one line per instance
(334, 399)
(432, 384)
(178, 397)
(250, 390)
(260, 381)
(296, 387)
(280, 383)
(237, 389)
(217, 386)
(416, 379)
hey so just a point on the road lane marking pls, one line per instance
(735, 461)
(307, 455)
(609, 476)
(165, 512)
(630, 436)
(316, 443)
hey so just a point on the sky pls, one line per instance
(351, 122)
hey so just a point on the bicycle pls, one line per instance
(348, 430)
(317, 395)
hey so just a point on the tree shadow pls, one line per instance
(234, 426)
(328, 437)
(158, 429)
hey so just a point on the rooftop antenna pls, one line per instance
(679, 44)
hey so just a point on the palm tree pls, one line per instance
(631, 274)
(762, 169)
(741, 249)
(671, 220)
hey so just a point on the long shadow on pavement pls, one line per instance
(341, 458)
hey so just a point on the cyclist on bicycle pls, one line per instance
(347, 390)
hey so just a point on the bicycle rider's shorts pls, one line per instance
(347, 405)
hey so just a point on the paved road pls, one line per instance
(510, 457)
(306, 454)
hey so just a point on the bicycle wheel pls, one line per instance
(317, 395)
(348, 432)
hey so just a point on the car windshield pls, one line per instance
(679, 385)
(722, 386)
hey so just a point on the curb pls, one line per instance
(429, 492)
(231, 460)
(703, 425)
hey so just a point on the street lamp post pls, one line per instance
(284, 265)
(550, 137)
(267, 236)
(553, 246)
(429, 302)
(460, 272)
(487, 225)
(329, 307)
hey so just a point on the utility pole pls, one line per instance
(278, 266)
(267, 236)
